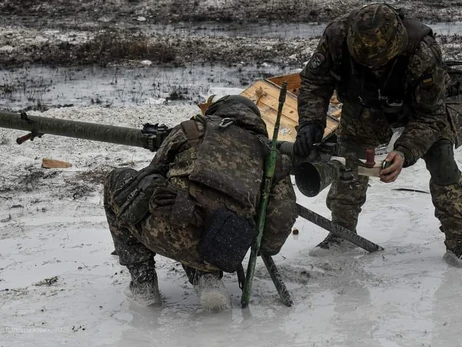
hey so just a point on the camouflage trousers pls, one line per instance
(153, 235)
(345, 199)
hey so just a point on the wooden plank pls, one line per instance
(270, 99)
(265, 94)
(48, 163)
(293, 81)
(286, 131)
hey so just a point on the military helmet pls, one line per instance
(376, 35)
(212, 109)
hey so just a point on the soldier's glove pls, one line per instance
(164, 196)
(176, 204)
(308, 134)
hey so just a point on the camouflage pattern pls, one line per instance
(427, 133)
(129, 248)
(346, 196)
(218, 164)
(427, 122)
(454, 108)
(369, 131)
(430, 121)
(280, 216)
(376, 35)
(448, 209)
(176, 158)
(446, 190)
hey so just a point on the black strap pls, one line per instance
(240, 276)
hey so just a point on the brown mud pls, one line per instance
(168, 11)
(108, 32)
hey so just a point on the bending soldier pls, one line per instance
(196, 201)
(387, 70)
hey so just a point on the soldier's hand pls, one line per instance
(164, 196)
(307, 136)
(395, 162)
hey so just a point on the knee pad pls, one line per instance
(117, 178)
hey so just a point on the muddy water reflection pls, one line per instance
(51, 87)
(266, 29)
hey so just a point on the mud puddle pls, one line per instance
(45, 87)
(272, 29)
(41, 87)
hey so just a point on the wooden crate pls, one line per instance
(265, 94)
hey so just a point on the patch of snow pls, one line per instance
(152, 101)
(7, 49)
(219, 92)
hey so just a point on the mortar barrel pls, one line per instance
(312, 178)
(75, 129)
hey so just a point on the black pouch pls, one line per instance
(226, 239)
(132, 200)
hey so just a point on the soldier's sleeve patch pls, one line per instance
(317, 60)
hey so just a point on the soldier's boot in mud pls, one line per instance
(212, 292)
(331, 244)
(144, 287)
(453, 255)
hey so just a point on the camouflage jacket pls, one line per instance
(178, 156)
(423, 82)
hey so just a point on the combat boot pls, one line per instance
(330, 244)
(143, 288)
(454, 256)
(212, 292)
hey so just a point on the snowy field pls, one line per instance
(60, 285)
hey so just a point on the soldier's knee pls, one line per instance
(117, 178)
(440, 162)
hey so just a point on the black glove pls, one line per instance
(164, 196)
(177, 205)
(308, 134)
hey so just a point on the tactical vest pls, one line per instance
(226, 160)
(357, 85)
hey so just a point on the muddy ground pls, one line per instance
(167, 11)
(105, 32)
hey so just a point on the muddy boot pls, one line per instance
(143, 288)
(453, 256)
(330, 245)
(212, 292)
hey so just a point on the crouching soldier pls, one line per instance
(196, 202)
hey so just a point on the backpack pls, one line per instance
(231, 161)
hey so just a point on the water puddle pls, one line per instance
(275, 29)
(53, 87)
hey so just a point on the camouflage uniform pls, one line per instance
(176, 234)
(370, 111)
